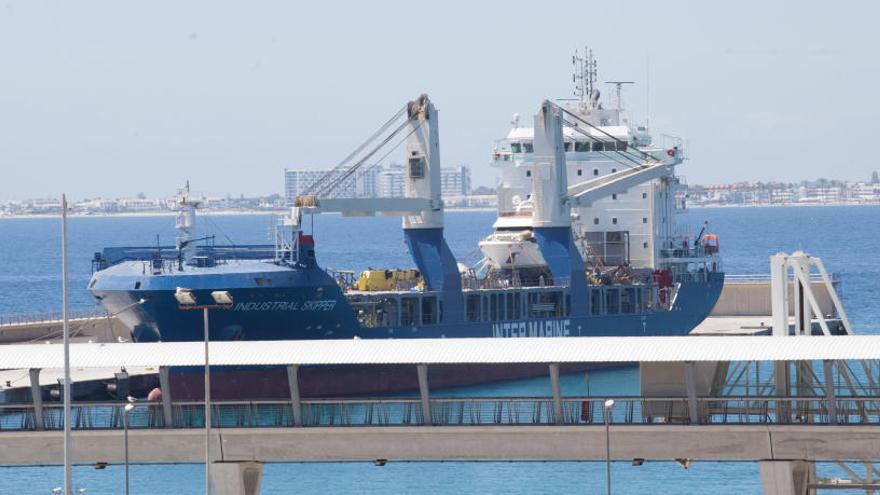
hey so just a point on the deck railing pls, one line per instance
(28, 318)
(470, 411)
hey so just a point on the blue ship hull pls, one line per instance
(281, 302)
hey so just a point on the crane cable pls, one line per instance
(318, 184)
(336, 182)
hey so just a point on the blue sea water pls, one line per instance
(844, 237)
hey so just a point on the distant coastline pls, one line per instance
(171, 213)
(777, 205)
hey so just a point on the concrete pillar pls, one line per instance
(690, 382)
(557, 394)
(236, 478)
(425, 394)
(36, 397)
(830, 397)
(786, 477)
(165, 387)
(295, 401)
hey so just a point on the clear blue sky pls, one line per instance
(116, 98)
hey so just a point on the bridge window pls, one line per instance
(613, 170)
(386, 312)
(598, 146)
(596, 221)
(493, 304)
(528, 148)
(511, 313)
(429, 310)
(409, 311)
(613, 196)
(612, 301)
(485, 303)
(528, 173)
(595, 301)
(644, 219)
(580, 172)
(472, 307)
(581, 146)
(517, 306)
(627, 300)
(545, 304)
(622, 145)
(614, 220)
(595, 171)
(644, 195)
(515, 148)
(568, 146)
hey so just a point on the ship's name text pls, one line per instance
(316, 305)
(544, 328)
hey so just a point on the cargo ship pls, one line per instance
(564, 260)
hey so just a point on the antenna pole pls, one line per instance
(68, 475)
(648, 93)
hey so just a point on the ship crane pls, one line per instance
(638, 166)
(421, 208)
(422, 205)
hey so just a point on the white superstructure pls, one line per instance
(634, 227)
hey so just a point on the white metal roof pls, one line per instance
(438, 351)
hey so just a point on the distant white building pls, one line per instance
(455, 181)
(391, 182)
(375, 181)
(361, 184)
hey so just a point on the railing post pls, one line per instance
(830, 397)
(557, 394)
(36, 397)
(783, 384)
(690, 381)
(165, 387)
(425, 394)
(295, 400)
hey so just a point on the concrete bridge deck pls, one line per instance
(431, 443)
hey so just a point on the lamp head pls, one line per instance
(222, 297)
(185, 297)
(609, 403)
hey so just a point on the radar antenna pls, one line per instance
(584, 78)
(618, 90)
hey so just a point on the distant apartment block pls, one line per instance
(455, 181)
(376, 181)
(361, 184)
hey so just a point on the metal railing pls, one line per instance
(470, 411)
(28, 318)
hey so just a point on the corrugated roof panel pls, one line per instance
(412, 351)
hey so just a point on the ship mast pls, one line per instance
(584, 79)
(186, 223)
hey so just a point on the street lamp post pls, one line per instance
(128, 408)
(186, 299)
(606, 415)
